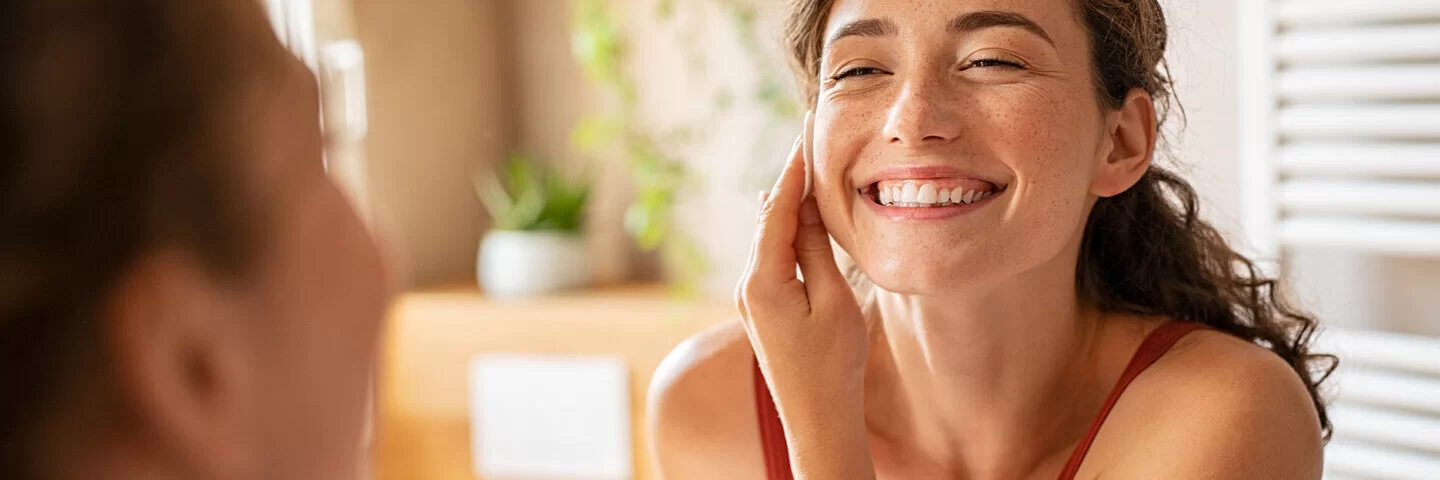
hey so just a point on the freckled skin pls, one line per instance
(1039, 128)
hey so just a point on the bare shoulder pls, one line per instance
(1214, 407)
(702, 408)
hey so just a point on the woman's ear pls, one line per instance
(1132, 133)
(180, 365)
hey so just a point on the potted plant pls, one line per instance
(537, 242)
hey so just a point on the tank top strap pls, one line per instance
(1156, 344)
(772, 432)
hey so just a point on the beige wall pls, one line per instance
(435, 93)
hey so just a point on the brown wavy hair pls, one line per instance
(1145, 251)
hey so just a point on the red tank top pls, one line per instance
(777, 455)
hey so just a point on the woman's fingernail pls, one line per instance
(764, 195)
(809, 213)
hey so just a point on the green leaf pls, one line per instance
(647, 224)
(594, 133)
(596, 42)
(524, 195)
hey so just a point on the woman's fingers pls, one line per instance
(823, 279)
(807, 136)
(812, 240)
(774, 255)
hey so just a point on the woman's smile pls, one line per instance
(927, 193)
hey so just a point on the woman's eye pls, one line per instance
(857, 71)
(992, 63)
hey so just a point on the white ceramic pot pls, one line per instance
(520, 264)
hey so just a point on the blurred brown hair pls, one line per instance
(1145, 251)
(117, 138)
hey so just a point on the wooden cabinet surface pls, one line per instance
(422, 425)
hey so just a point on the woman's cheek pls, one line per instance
(839, 143)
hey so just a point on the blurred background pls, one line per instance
(595, 163)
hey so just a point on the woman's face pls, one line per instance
(321, 293)
(975, 123)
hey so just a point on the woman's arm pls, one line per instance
(808, 335)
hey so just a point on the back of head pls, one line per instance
(110, 145)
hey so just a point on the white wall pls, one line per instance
(1202, 59)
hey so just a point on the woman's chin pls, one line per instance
(925, 277)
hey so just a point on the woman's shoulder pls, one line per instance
(1218, 405)
(702, 416)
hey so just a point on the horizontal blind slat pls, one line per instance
(1386, 237)
(1412, 160)
(1360, 385)
(1380, 349)
(1293, 13)
(1361, 197)
(1397, 122)
(1388, 43)
(1371, 82)
(1369, 461)
(1390, 427)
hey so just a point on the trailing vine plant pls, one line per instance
(659, 175)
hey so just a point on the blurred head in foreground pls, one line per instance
(183, 292)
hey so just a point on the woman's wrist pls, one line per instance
(825, 428)
(829, 441)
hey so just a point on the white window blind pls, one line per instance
(1340, 149)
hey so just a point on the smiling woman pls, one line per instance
(1026, 295)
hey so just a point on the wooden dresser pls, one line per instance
(422, 428)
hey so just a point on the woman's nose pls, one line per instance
(923, 114)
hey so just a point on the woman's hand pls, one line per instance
(809, 335)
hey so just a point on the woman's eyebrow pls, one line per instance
(973, 21)
(865, 27)
(963, 23)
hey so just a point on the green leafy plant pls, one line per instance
(521, 194)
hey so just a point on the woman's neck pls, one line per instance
(1006, 377)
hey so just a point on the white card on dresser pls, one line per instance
(550, 417)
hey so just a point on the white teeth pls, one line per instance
(910, 194)
(914, 194)
(927, 194)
